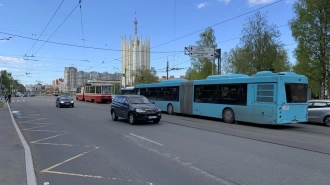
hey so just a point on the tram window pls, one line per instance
(98, 89)
(92, 89)
(87, 89)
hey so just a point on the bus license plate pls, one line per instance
(152, 117)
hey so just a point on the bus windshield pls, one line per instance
(296, 93)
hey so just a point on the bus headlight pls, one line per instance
(139, 110)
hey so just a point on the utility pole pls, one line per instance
(218, 55)
(125, 78)
(167, 70)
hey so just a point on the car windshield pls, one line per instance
(65, 98)
(138, 100)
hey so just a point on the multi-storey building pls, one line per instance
(70, 79)
(135, 55)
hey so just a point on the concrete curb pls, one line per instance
(30, 174)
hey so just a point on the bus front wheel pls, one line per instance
(170, 109)
(228, 115)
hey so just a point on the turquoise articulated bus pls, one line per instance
(264, 98)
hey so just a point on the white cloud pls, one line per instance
(257, 2)
(12, 60)
(1, 4)
(202, 5)
(224, 1)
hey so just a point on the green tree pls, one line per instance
(311, 29)
(260, 48)
(145, 76)
(202, 67)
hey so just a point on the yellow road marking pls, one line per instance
(74, 174)
(60, 144)
(35, 127)
(45, 131)
(56, 165)
(49, 137)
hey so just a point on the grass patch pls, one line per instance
(1, 104)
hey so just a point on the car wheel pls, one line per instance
(131, 118)
(113, 115)
(228, 115)
(170, 109)
(326, 121)
(72, 106)
(56, 105)
(156, 120)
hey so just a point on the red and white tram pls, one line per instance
(94, 93)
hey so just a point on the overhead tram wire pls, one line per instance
(91, 41)
(45, 27)
(87, 47)
(82, 29)
(241, 15)
(47, 41)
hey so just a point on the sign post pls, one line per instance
(201, 52)
(205, 52)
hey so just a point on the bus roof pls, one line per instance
(262, 76)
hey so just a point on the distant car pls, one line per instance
(64, 101)
(134, 108)
(319, 111)
(31, 95)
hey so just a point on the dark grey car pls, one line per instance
(134, 108)
(64, 101)
(319, 111)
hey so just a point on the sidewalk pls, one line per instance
(12, 159)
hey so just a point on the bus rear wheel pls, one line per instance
(170, 109)
(228, 115)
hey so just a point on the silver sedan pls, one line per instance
(319, 111)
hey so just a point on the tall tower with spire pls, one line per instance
(135, 55)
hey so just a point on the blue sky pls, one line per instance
(106, 22)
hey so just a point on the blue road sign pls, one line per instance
(2, 87)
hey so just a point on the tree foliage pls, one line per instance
(202, 67)
(145, 76)
(311, 29)
(7, 81)
(260, 49)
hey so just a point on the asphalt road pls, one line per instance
(82, 145)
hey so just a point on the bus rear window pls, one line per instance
(296, 93)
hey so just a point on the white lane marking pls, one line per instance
(146, 139)
(30, 173)
(18, 100)
(13, 101)
(47, 100)
(81, 116)
(23, 100)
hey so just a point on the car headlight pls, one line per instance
(159, 110)
(62, 101)
(71, 101)
(139, 110)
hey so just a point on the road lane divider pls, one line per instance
(143, 138)
(30, 173)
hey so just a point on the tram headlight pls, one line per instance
(139, 110)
